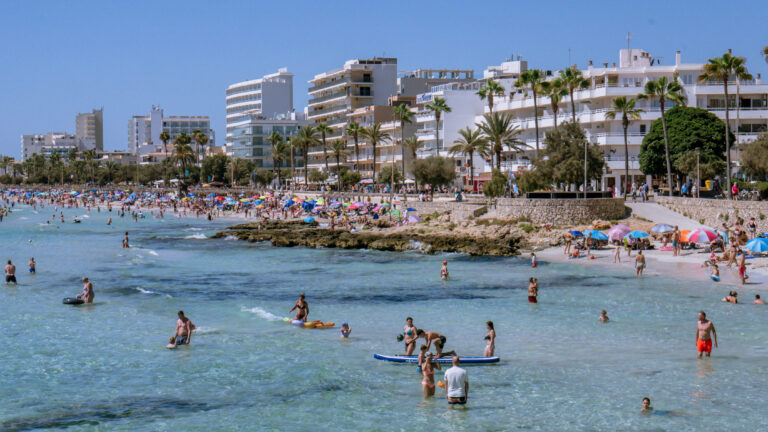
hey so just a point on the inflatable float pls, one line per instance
(443, 360)
(311, 325)
(715, 278)
(72, 301)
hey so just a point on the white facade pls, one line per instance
(144, 133)
(268, 97)
(248, 137)
(91, 125)
(628, 79)
(54, 142)
(465, 106)
(358, 83)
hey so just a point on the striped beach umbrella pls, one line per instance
(701, 236)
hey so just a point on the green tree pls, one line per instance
(201, 139)
(317, 176)
(349, 177)
(412, 145)
(434, 170)
(293, 144)
(490, 89)
(405, 116)
(664, 90)
(54, 160)
(706, 164)
(556, 92)
(471, 142)
(722, 69)
(497, 186)
(214, 168)
(263, 177)
(687, 129)
(500, 132)
(754, 156)
(438, 107)
(533, 79)
(375, 135)
(625, 108)
(562, 159)
(339, 150)
(388, 176)
(573, 80)
(355, 130)
(323, 129)
(306, 138)
(90, 156)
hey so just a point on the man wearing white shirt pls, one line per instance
(456, 384)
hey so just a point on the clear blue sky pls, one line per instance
(61, 58)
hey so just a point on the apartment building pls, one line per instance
(628, 78)
(91, 126)
(268, 97)
(144, 133)
(248, 137)
(54, 142)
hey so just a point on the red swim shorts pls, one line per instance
(704, 346)
(742, 270)
(532, 299)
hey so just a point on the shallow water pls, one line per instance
(104, 366)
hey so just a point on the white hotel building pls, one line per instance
(144, 133)
(628, 79)
(267, 97)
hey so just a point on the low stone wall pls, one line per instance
(713, 212)
(538, 211)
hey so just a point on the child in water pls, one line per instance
(603, 316)
(345, 330)
(533, 260)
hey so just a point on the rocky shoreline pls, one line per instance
(297, 233)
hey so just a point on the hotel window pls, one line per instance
(642, 129)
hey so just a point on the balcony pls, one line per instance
(327, 85)
(338, 95)
(327, 111)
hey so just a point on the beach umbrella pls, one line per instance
(244, 200)
(758, 245)
(701, 236)
(411, 209)
(220, 198)
(662, 228)
(596, 235)
(335, 205)
(309, 220)
(637, 234)
(353, 207)
(684, 235)
(577, 233)
(385, 204)
(377, 208)
(413, 219)
(618, 232)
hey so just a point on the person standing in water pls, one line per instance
(88, 294)
(302, 308)
(183, 334)
(705, 333)
(10, 273)
(409, 336)
(639, 263)
(456, 384)
(32, 265)
(444, 271)
(126, 244)
(568, 240)
(534, 264)
(428, 371)
(741, 263)
(603, 318)
(490, 340)
(533, 290)
(758, 300)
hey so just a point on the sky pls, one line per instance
(61, 58)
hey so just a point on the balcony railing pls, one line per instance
(336, 108)
(329, 84)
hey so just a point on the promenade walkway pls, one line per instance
(660, 214)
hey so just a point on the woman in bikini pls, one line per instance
(409, 334)
(428, 371)
(490, 340)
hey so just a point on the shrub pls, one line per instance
(761, 216)
(527, 228)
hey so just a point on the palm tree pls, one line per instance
(292, 144)
(324, 129)
(490, 89)
(412, 144)
(355, 129)
(201, 139)
(665, 90)
(404, 115)
(339, 150)
(110, 169)
(278, 152)
(438, 106)
(556, 92)
(626, 108)
(306, 138)
(182, 152)
(534, 80)
(6, 162)
(90, 156)
(376, 135)
(572, 79)
(54, 160)
(764, 52)
(165, 137)
(471, 142)
(500, 132)
(722, 69)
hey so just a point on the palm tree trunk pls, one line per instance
(586, 149)
(373, 144)
(554, 111)
(498, 159)
(325, 153)
(666, 147)
(437, 134)
(727, 141)
(338, 172)
(573, 106)
(402, 147)
(357, 156)
(471, 172)
(626, 155)
(536, 119)
(306, 166)
(490, 102)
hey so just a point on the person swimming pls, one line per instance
(603, 318)
(345, 330)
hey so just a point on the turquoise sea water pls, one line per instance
(104, 366)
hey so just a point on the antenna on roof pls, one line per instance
(629, 39)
